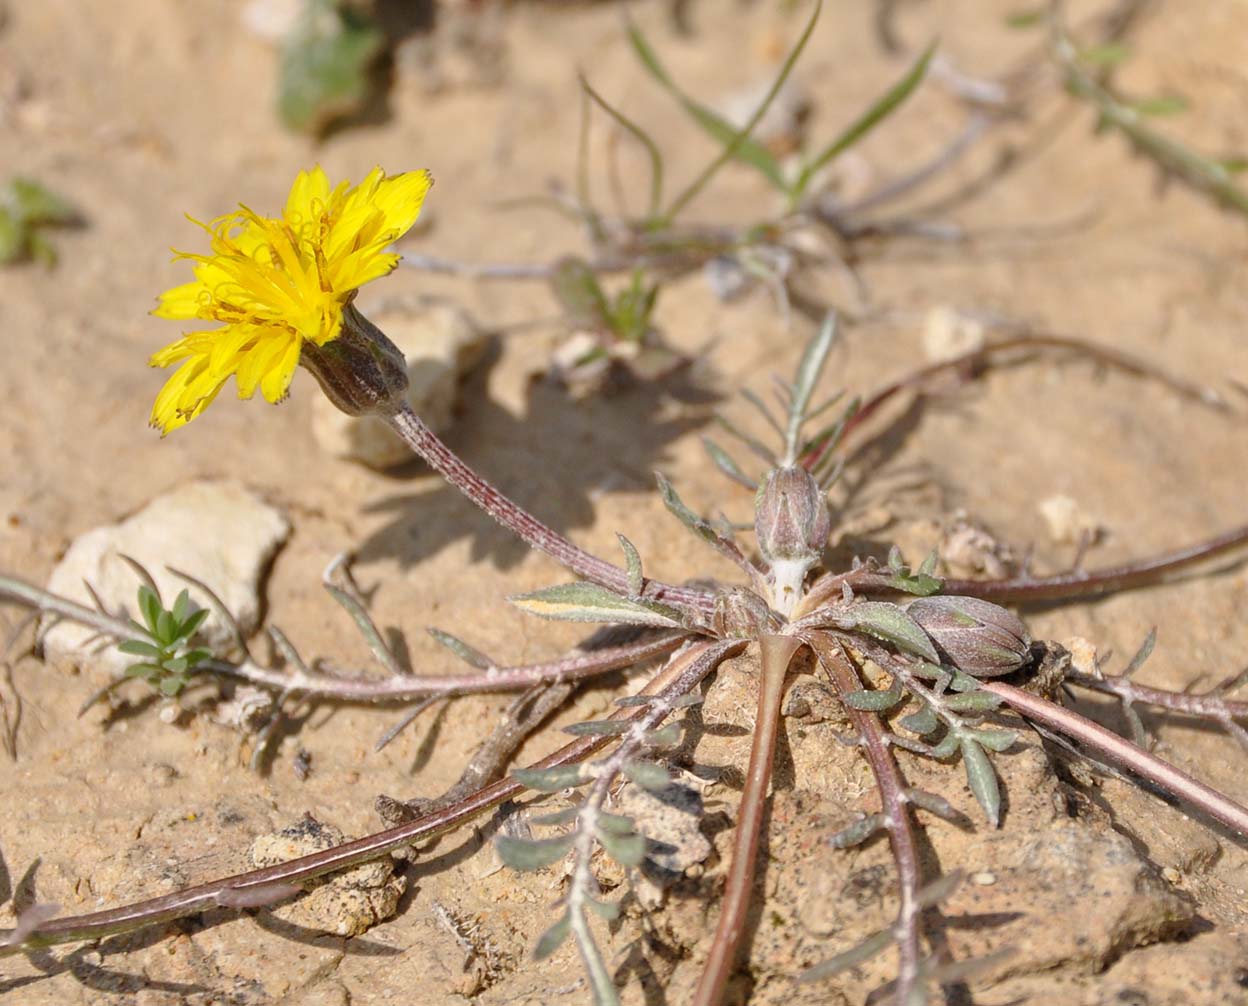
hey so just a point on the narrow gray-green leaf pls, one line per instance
(616, 824)
(973, 702)
(676, 506)
(922, 722)
(723, 461)
(532, 853)
(982, 778)
(181, 606)
(995, 740)
(565, 816)
(665, 737)
(598, 728)
(633, 559)
(932, 803)
(367, 628)
(888, 623)
(1142, 654)
(191, 625)
(138, 648)
(756, 447)
(872, 117)
(859, 954)
(553, 938)
(549, 780)
(805, 381)
(647, 774)
(149, 606)
(872, 701)
(609, 910)
(858, 832)
(627, 850)
(469, 655)
(933, 894)
(587, 602)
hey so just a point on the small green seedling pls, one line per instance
(169, 660)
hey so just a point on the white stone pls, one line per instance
(218, 532)
(948, 334)
(1067, 522)
(442, 344)
(272, 20)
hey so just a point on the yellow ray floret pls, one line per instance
(276, 281)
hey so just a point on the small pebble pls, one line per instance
(1066, 521)
(948, 334)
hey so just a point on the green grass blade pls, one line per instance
(735, 143)
(860, 127)
(642, 137)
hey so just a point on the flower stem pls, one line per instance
(424, 442)
(776, 653)
(1122, 752)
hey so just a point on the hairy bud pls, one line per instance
(791, 516)
(361, 371)
(975, 636)
(792, 523)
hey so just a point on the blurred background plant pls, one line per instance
(28, 211)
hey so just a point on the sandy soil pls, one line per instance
(141, 110)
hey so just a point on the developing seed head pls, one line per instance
(791, 516)
(975, 636)
(792, 524)
(362, 372)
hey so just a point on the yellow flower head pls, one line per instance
(275, 282)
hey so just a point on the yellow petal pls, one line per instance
(309, 196)
(172, 353)
(400, 199)
(353, 272)
(227, 349)
(276, 382)
(181, 303)
(185, 395)
(260, 359)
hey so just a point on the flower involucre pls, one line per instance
(275, 282)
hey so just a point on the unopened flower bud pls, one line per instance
(360, 370)
(975, 636)
(791, 518)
